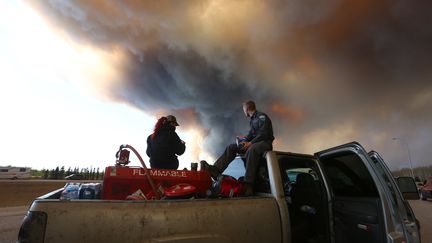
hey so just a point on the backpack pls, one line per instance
(227, 186)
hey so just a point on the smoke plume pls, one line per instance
(326, 72)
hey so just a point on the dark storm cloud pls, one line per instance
(327, 72)
(165, 79)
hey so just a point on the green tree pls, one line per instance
(36, 173)
(98, 175)
(56, 173)
(85, 173)
(69, 171)
(61, 173)
(52, 174)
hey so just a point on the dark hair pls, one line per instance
(158, 125)
(250, 105)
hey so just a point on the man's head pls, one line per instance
(249, 108)
(172, 120)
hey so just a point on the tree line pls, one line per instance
(60, 173)
(420, 173)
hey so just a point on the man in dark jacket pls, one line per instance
(258, 141)
(163, 145)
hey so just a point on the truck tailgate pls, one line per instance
(200, 220)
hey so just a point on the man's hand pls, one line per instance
(246, 145)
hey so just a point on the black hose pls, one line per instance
(147, 172)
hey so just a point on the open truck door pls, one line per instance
(360, 203)
(400, 191)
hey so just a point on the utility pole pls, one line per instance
(403, 142)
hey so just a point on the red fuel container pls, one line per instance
(121, 181)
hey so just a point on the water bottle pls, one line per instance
(98, 189)
(239, 142)
(86, 192)
(90, 191)
(70, 192)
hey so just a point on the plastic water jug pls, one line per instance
(70, 191)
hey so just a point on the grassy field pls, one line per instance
(22, 193)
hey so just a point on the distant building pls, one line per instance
(11, 172)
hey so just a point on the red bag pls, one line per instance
(182, 190)
(228, 186)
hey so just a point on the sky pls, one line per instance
(80, 78)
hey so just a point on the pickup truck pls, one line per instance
(342, 194)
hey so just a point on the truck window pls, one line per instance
(236, 168)
(22, 170)
(294, 172)
(380, 169)
(4, 170)
(348, 176)
(306, 199)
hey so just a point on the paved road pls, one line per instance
(423, 212)
(10, 221)
(11, 217)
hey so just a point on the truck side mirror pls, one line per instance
(408, 188)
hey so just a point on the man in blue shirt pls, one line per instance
(258, 141)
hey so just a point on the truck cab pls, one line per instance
(341, 194)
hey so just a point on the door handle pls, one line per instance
(364, 227)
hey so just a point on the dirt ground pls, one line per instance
(23, 192)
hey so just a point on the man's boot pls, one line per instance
(214, 172)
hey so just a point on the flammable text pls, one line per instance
(172, 173)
